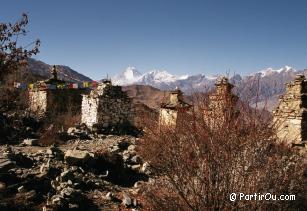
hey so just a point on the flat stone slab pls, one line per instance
(74, 157)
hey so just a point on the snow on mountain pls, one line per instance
(248, 87)
(157, 76)
(163, 80)
(270, 71)
(272, 82)
(128, 76)
(183, 77)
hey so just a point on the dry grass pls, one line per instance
(55, 125)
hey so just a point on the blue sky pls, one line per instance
(103, 37)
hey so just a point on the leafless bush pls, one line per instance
(12, 54)
(199, 166)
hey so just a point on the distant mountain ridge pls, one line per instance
(162, 79)
(262, 88)
(64, 72)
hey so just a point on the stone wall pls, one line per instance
(89, 110)
(38, 102)
(54, 102)
(168, 117)
(107, 106)
(290, 115)
(144, 115)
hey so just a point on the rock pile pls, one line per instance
(81, 174)
(16, 126)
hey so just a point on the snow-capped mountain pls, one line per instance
(270, 71)
(132, 76)
(163, 80)
(128, 76)
(263, 86)
(166, 81)
(157, 76)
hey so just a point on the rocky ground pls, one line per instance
(88, 172)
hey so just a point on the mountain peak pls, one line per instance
(160, 76)
(128, 76)
(288, 68)
(131, 73)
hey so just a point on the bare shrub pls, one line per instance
(199, 166)
(56, 125)
(12, 54)
(13, 60)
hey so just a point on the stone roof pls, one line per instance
(222, 96)
(176, 101)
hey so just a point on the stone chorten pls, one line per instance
(170, 111)
(290, 116)
(222, 104)
(107, 106)
(54, 101)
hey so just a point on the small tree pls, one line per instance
(13, 59)
(11, 53)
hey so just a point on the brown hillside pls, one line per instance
(147, 95)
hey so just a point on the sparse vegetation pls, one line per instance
(13, 60)
(198, 166)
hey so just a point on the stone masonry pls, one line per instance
(38, 102)
(290, 116)
(222, 104)
(107, 106)
(170, 112)
(43, 101)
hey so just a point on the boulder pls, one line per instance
(136, 159)
(30, 142)
(110, 196)
(74, 132)
(138, 184)
(126, 200)
(131, 148)
(71, 130)
(68, 192)
(48, 208)
(73, 206)
(58, 200)
(75, 157)
(136, 167)
(21, 189)
(145, 168)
